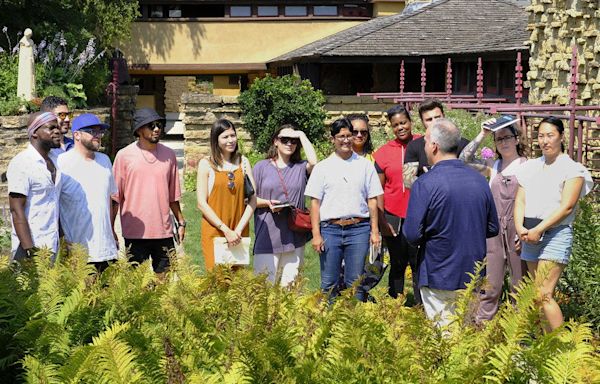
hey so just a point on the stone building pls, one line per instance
(555, 26)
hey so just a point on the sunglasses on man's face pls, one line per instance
(154, 125)
(288, 140)
(94, 132)
(63, 115)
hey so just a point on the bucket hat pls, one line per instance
(145, 116)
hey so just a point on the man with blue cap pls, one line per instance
(33, 180)
(87, 211)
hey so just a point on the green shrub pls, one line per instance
(271, 102)
(63, 324)
(580, 284)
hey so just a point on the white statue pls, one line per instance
(26, 82)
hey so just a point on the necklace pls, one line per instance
(145, 158)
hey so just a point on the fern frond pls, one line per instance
(114, 359)
(37, 372)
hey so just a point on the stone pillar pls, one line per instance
(126, 100)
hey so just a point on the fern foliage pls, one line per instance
(62, 323)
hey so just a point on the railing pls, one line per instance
(583, 122)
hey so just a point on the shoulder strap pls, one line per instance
(281, 180)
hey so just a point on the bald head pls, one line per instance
(446, 135)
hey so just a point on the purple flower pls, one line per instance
(1, 49)
(42, 44)
(486, 153)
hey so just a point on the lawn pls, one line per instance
(311, 260)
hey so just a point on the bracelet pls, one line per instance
(182, 223)
(220, 225)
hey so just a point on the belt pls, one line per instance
(348, 221)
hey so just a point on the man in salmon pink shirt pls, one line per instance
(148, 183)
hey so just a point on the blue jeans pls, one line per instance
(349, 243)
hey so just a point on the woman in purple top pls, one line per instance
(280, 179)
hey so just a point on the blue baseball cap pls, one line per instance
(87, 120)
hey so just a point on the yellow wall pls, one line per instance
(145, 101)
(387, 8)
(221, 87)
(219, 42)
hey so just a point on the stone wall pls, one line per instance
(202, 110)
(555, 26)
(13, 131)
(175, 86)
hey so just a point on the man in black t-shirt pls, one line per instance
(415, 159)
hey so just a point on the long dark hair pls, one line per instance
(553, 120)
(216, 157)
(272, 153)
(521, 145)
(368, 148)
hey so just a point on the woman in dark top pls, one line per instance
(389, 160)
(281, 178)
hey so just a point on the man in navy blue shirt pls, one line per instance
(450, 214)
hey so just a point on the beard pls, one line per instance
(90, 145)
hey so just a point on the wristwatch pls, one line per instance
(182, 223)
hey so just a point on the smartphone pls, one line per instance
(281, 205)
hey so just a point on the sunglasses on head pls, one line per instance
(231, 178)
(63, 115)
(288, 140)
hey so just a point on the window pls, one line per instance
(325, 10)
(156, 11)
(234, 79)
(174, 11)
(240, 11)
(296, 10)
(267, 10)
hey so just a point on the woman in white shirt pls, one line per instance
(549, 188)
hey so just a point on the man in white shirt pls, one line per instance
(343, 190)
(33, 178)
(87, 211)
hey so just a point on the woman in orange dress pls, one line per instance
(220, 191)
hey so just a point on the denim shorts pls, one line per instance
(555, 246)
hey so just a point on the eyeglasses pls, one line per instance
(363, 133)
(288, 140)
(343, 138)
(155, 124)
(63, 115)
(94, 132)
(231, 182)
(501, 140)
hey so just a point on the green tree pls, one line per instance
(106, 20)
(273, 101)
